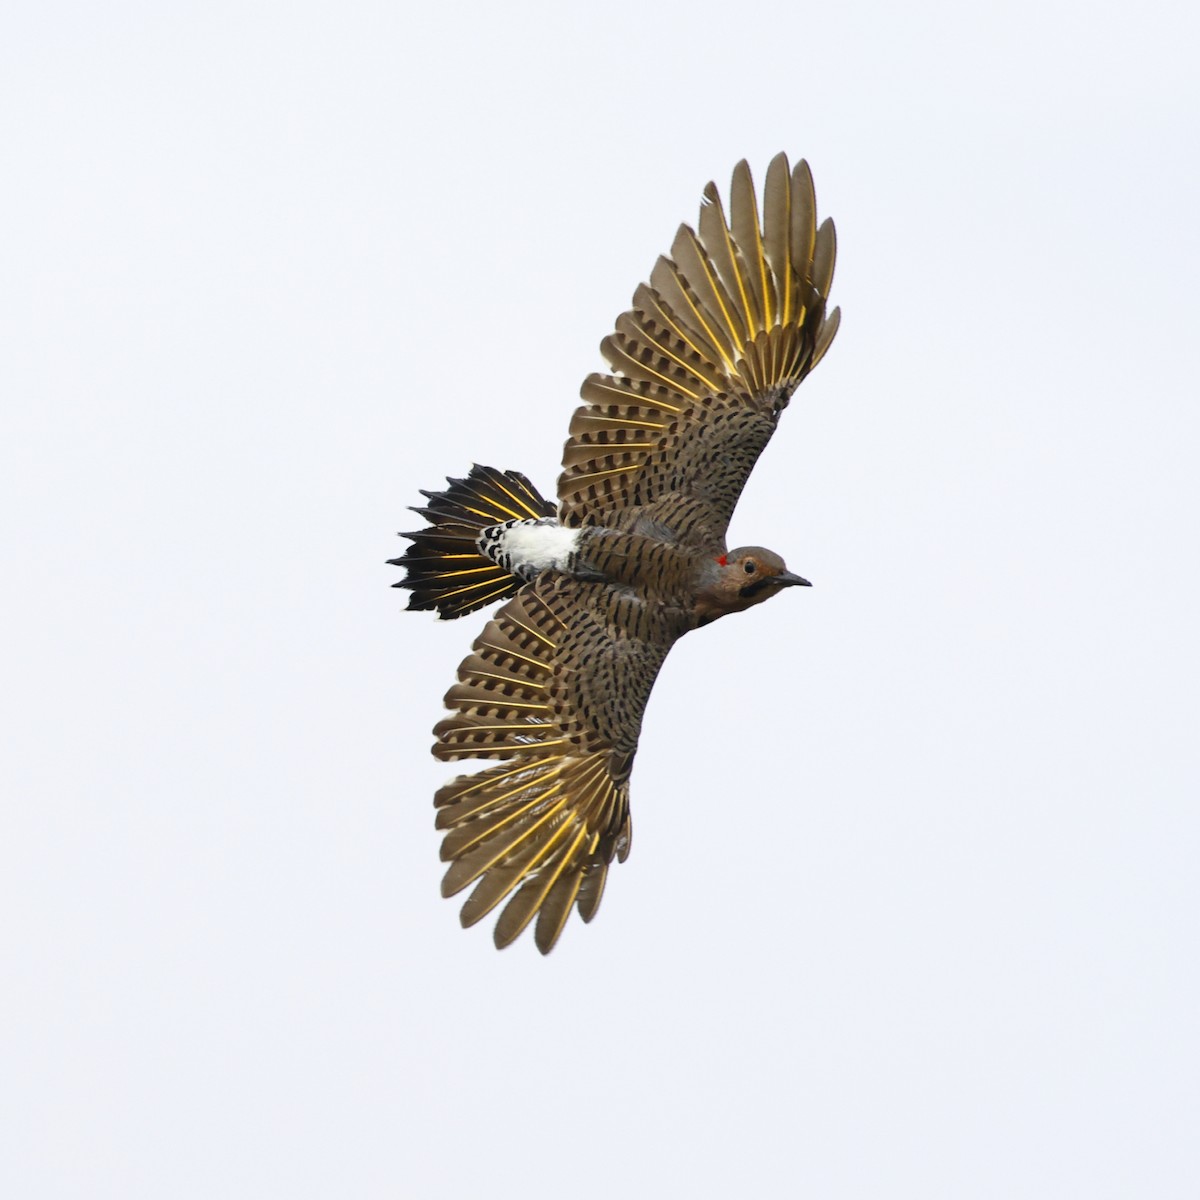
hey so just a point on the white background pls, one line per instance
(912, 907)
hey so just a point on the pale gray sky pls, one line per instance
(912, 905)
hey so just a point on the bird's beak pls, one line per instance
(787, 579)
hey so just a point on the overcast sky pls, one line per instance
(912, 904)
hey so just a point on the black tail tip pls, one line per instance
(445, 569)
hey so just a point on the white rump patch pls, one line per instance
(527, 547)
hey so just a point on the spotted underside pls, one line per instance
(556, 686)
(704, 363)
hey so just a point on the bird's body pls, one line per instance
(600, 586)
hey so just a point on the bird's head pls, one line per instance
(743, 577)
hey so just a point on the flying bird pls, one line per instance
(600, 586)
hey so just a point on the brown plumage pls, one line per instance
(658, 454)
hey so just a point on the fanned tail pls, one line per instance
(445, 569)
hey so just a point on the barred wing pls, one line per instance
(705, 361)
(556, 685)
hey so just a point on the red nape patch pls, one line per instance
(723, 561)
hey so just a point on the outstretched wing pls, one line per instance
(705, 361)
(556, 685)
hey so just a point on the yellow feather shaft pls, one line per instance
(471, 587)
(541, 637)
(484, 827)
(519, 679)
(718, 342)
(505, 650)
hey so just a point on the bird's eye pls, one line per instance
(749, 568)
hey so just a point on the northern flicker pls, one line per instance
(601, 585)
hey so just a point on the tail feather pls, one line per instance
(445, 570)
